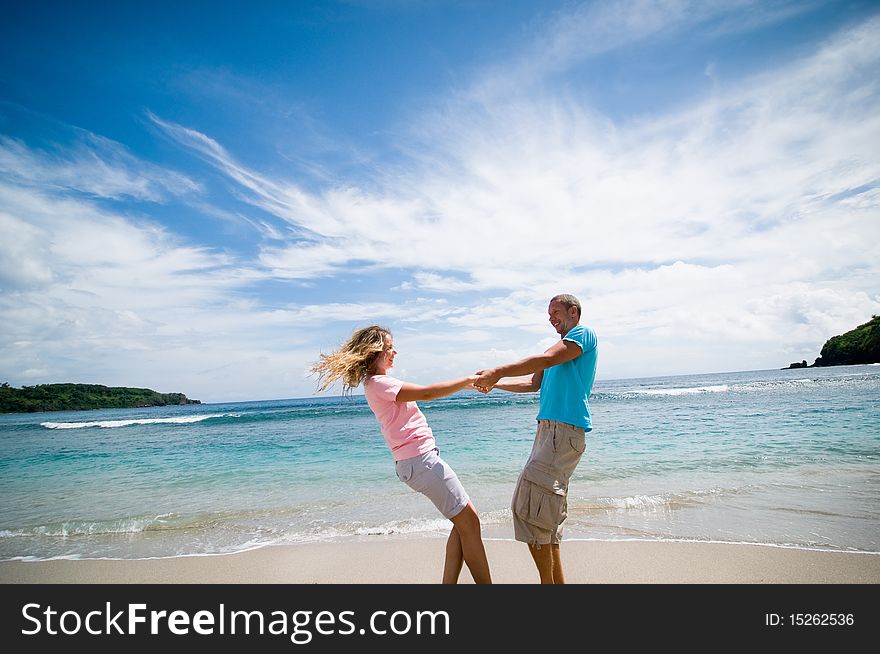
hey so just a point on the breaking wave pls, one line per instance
(110, 424)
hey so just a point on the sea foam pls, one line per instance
(722, 388)
(109, 424)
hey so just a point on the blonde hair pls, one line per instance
(353, 361)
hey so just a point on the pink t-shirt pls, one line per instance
(403, 424)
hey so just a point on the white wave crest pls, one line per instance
(640, 502)
(660, 502)
(132, 525)
(721, 388)
(109, 424)
(411, 526)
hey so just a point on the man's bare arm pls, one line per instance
(522, 384)
(558, 353)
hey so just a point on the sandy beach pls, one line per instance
(419, 561)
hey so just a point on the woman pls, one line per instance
(366, 358)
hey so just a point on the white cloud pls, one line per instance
(22, 255)
(696, 226)
(740, 231)
(586, 30)
(535, 188)
(435, 282)
(93, 165)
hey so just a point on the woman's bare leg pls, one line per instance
(467, 523)
(452, 567)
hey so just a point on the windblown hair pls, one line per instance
(568, 301)
(352, 362)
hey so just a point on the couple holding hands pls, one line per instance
(564, 374)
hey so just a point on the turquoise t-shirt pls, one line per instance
(566, 387)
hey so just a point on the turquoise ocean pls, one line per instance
(781, 457)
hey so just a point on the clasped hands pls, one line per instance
(485, 381)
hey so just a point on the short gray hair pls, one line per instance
(568, 301)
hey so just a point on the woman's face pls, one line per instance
(385, 360)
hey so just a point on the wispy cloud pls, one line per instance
(91, 165)
(89, 288)
(544, 185)
(738, 213)
(586, 30)
(743, 225)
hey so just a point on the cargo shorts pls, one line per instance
(540, 499)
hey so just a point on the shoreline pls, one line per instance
(420, 560)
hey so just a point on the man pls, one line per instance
(564, 374)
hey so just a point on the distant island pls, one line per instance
(75, 397)
(860, 345)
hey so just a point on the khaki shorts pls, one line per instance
(540, 500)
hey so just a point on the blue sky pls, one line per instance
(203, 200)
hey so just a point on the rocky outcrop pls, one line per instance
(857, 346)
(860, 345)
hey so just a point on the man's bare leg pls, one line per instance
(543, 557)
(558, 574)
